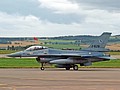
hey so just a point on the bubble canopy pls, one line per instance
(33, 48)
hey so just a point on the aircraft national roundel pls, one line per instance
(100, 41)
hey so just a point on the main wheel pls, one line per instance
(75, 67)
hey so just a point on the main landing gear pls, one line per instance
(75, 67)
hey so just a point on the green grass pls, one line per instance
(18, 62)
(111, 63)
(32, 63)
(57, 46)
(61, 46)
(7, 51)
(50, 40)
(114, 53)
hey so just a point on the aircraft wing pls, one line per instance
(71, 55)
(20, 54)
(64, 55)
(77, 56)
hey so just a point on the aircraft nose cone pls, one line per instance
(18, 54)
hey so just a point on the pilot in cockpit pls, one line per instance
(33, 48)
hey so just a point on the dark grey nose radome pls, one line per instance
(18, 54)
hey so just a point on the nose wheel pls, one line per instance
(42, 66)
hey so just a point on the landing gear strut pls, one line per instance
(67, 68)
(42, 66)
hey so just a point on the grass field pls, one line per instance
(50, 40)
(114, 53)
(32, 63)
(7, 51)
(111, 63)
(63, 46)
(18, 63)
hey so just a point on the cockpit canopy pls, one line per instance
(33, 48)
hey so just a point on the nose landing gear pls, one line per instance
(42, 66)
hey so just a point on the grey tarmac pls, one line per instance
(60, 79)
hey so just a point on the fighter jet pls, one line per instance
(69, 58)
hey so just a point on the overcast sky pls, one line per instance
(59, 17)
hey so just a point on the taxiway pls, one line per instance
(60, 79)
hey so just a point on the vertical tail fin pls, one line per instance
(100, 43)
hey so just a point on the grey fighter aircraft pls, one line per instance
(69, 58)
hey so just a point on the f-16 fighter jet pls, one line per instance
(69, 58)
